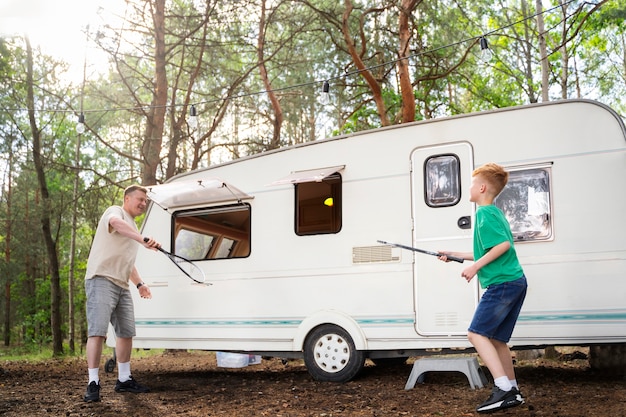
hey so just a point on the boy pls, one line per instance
(501, 274)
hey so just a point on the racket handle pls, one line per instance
(455, 259)
(145, 239)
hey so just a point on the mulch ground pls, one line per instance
(191, 384)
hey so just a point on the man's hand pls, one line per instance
(150, 243)
(144, 291)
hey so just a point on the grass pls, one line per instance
(44, 353)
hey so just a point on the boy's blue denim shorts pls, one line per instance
(108, 303)
(498, 310)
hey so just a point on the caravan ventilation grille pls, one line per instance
(446, 319)
(374, 254)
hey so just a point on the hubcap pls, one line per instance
(332, 353)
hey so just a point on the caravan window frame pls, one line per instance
(431, 178)
(318, 206)
(219, 232)
(526, 202)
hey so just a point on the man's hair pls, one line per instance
(132, 188)
(494, 174)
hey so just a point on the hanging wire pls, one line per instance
(328, 79)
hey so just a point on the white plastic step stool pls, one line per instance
(467, 365)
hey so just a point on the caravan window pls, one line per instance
(214, 233)
(318, 206)
(526, 202)
(442, 182)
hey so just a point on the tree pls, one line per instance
(46, 227)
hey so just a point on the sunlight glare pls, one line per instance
(57, 28)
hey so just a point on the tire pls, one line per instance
(109, 366)
(330, 355)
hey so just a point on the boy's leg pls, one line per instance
(490, 352)
(506, 360)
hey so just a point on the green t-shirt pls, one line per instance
(492, 228)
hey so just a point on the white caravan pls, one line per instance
(288, 240)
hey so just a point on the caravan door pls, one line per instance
(443, 220)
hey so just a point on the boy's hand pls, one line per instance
(443, 256)
(469, 272)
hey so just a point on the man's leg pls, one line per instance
(123, 348)
(94, 351)
(125, 383)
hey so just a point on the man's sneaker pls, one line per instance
(93, 392)
(499, 400)
(130, 386)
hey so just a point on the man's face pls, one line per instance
(135, 203)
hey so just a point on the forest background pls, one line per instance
(190, 83)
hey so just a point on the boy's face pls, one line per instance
(477, 188)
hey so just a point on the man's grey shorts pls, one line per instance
(107, 302)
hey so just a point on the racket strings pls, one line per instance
(190, 269)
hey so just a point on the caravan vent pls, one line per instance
(379, 253)
(446, 319)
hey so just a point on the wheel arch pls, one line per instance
(337, 318)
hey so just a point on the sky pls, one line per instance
(57, 27)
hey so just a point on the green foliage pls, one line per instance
(34, 328)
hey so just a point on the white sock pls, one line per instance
(123, 371)
(503, 383)
(514, 383)
(93, 375)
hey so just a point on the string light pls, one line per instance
(485, 52)
(325, 96)
(193, 117)
(80, 126)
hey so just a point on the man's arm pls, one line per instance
(124, 229)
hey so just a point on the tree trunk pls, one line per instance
(360, 65)
(153, 140)
(406, 87)
(277, 122)
(543, 53)
(7, 254)
(55, 278)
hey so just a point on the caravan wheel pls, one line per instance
(330, 355)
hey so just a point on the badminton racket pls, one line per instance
(427, 252)
(185, 265)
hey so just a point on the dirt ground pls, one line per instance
(190, 384)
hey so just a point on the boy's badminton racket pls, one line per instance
(185, 265)
(427, 252)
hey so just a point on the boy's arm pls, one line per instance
(493, 254)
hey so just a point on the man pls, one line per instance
(110, 267)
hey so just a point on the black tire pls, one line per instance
(109, 366)
(330, 355)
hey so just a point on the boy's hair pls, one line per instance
(494, 174)
(132, 188)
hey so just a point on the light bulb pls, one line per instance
(193, 117)
(325, 96)
(485, 52)
(80, 126)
